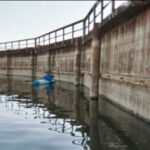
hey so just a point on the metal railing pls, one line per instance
(81, 28)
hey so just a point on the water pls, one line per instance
(61, 117)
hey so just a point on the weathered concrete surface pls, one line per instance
(77, 62)
(95, 62)
(3, 65)
(42, 64)
(133, 98)
(63, 62)
(125, 64)
(21, 65)
(125, 49)
(16, 62)
(85, 63)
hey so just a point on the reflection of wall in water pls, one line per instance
(131, 129)
(17, 85)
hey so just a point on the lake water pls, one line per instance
(62, 117)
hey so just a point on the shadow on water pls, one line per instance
(68, 114)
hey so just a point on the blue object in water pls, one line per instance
(43, 81)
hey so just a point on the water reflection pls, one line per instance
(61, 116)
(46, 87)
(93, 125)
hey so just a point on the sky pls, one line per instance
(28, 19)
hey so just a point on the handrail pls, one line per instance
(95, 14)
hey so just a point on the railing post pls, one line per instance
(83, 38)
(18, 44)
(55, 37)
(101, 19)
(94, 14)
(39, 41)
(49, 38)
(26, 44)
(35, 42)
(43, 40)
(72, 33)
(113, 6)
(63, 35)
(35, 45)
(5, 46)
(11, 45)
(88, 24)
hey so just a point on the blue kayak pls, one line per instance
(43, 82)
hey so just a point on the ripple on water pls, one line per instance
(20, 130)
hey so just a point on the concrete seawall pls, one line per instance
(113, 62)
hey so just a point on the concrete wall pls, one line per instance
(21, 65)
(125, 64)
(114, 61)
(16, 62)
(42, 64)
(3, 63)
(59, 60)
(62, 63)
(85, 63)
